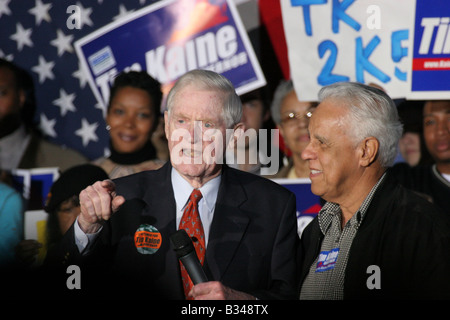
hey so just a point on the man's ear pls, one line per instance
(238, 131)
(22, 98)
(239, 125)
(369, 148)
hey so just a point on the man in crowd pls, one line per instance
(21, 146)
(432, 181)
(373, 238)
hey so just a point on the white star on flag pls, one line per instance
(122, 12)
(40, 11)
(44, 69)
(9, 57)
(35, 36)
(81, 75)
(47, 126)
(85, 15)
(65, 102)
(87, 131)
(101, 106)
(62, 42)
(22, 37)
(4, 7)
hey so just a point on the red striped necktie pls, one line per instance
(193, 225)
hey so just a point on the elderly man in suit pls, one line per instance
(249, 222)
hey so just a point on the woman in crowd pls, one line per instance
(256, 149)
(133, 121)
(292, 118)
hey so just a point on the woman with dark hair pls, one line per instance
(133, 121)
(291, 116)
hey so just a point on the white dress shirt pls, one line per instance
(182, 190)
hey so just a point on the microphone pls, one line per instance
(185, 252)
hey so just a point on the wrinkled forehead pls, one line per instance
(194, 90)
(334, 110)
(204, 99)
(328, 117)
(198, 104)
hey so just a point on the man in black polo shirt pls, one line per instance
(373, 239)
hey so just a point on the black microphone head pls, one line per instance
(182, 243)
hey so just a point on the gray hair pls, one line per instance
(281, 91)
(209, 80)
(372, 113)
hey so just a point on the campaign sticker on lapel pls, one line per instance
(147, 239)
(327, 260)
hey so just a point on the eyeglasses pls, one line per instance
(291, 117)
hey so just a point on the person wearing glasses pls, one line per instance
(291, 117)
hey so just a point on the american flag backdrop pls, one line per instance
(35, 36)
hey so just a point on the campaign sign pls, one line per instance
(354, 40)
(431, 53)
(34, 185)
(308, 204)
(35, 228)
(169, 38)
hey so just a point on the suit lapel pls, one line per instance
(162, 202)
(162, 206)
(228, 226)
(227, 229)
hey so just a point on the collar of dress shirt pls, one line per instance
(330, 209)
(182, 190)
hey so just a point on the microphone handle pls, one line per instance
(194, 268)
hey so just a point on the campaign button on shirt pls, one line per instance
(327, 260)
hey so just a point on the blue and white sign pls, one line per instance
(169, 38)
(403, 46)
(431, 54)
(34, 185)
(308, 204)
(355, 40)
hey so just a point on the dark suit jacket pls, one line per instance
(251, 247)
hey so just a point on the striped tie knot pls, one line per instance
(195, 196)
